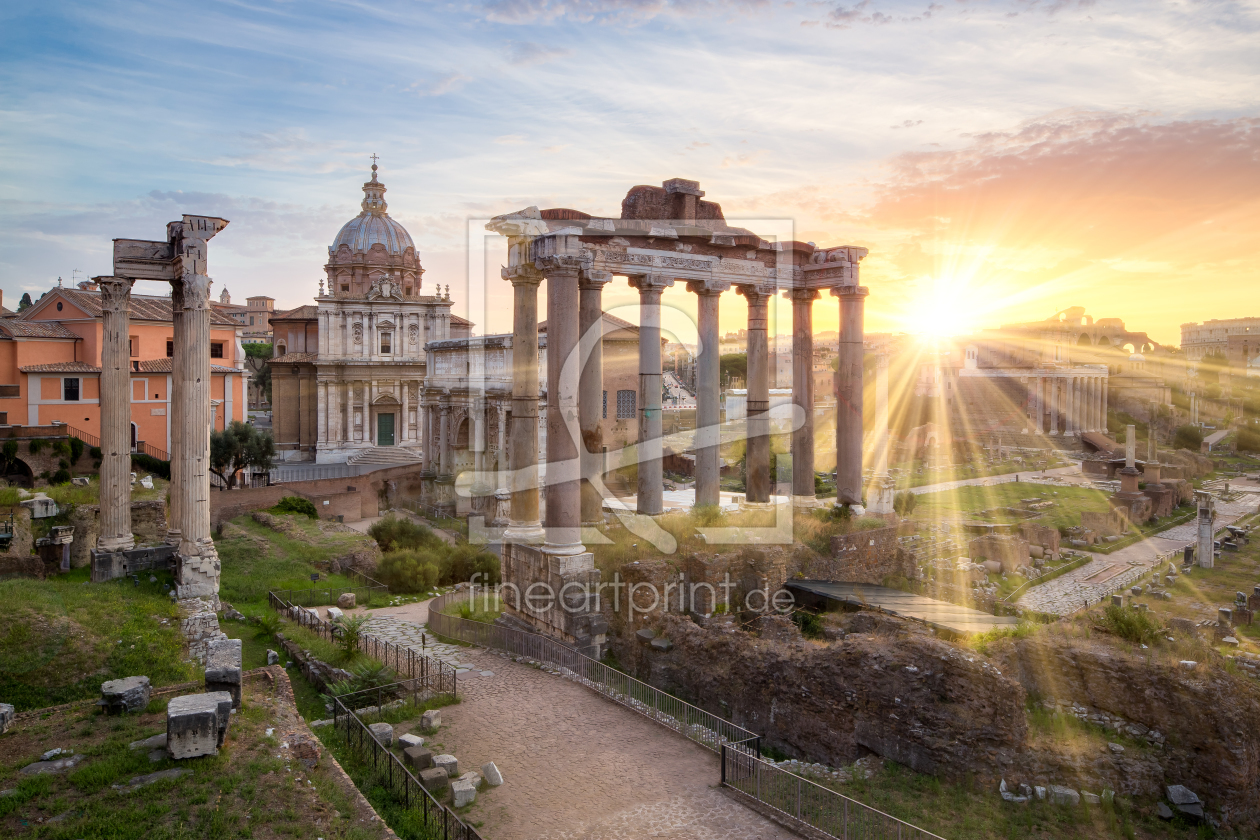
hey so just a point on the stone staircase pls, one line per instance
(387, 456)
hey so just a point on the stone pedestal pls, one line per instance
(197, 724)
(223, 668)
(885, 492)
(557, 594)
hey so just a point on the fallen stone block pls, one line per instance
(383, 733)
(316, 723)
(1163, 811)
(491, 773)
(1090, 798)
(7, 715)
(418, 758)
(431, 720)
(130, 694)
(1061, 795)
(410, 740)
(346, 600)
(196, 724)
(273, 658)
(160, 776)
(58, 765)
(464, 792)
(335, 614)
(434, 780)
(449, 763)
(156, 742)
(223, 668)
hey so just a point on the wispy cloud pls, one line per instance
(526, 53)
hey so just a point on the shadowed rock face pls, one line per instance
(1211, 718)
(904, 695)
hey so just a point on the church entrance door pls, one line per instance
(384, 430)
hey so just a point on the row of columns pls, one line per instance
(1080, 399)
(197, 571)
(574, 386)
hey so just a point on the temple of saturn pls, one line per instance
(181, 261)
(666, 235)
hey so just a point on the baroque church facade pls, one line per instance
(347, 373)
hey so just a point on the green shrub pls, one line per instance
(76, 449)
(1188, 437)
(60, 447)
(141, 461)
(420, 569)
(393, 533)
(1248, 440)
(1137, 626)
(904, 502)
(408, 570)
(810, 623)
(61, 476)
(36, 446)
(95, 452)
(352, 627)
(296, 504)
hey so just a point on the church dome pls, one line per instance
(1137, 357)
(373, 225)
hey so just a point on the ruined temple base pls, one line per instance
(555, 594)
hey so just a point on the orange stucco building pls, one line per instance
(50, 365)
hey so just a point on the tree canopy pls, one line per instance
(25, 303)
(238, 447)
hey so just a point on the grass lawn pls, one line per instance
(955, 472)
(255, 558)
(250, 789)
(61, 638)
(485, 608)
(971, 503)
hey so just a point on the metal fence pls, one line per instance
(423, 671)
(802, 802)
(392, 774)
(328, 595)
(798, 801)
(694, 723)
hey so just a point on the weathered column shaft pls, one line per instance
(523, 457)
(175, 407)
(1053, 383)
(1039, 411)
(651, 475)
(849, 395)
(590, 388)
(115, 517)
(881, 415)
(500, 460)
(757, 460)
(444, 441)
(708, 386)
(564, 374)
(803, 393)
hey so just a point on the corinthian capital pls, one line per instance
(115, 293)
(561, 264)
(196, 292)
(522, 275)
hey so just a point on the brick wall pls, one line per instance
(863, 557)
(369, 489)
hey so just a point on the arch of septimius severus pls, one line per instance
(666, 236)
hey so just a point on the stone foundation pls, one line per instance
(863, 557)
(1011, 552)
(200, 625)
(555, 594)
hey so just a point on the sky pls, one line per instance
(1002, 159)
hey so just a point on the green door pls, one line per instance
(384, 430)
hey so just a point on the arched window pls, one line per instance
(281, 349)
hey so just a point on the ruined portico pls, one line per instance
(666, 237)
(181, 260)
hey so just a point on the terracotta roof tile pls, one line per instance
(143, 307)
(18, 328)
(308, 312)
(166, 365)
(61, 367)
(294, 358)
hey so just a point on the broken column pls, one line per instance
(1206, 528)
(115, 396)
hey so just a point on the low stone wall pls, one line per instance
(863, 557)
(148, 524)
(319, 673)
(1108, 523)
(1043, 535)
(17, 558)
(373, 491)
(200, 625)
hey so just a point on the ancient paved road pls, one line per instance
(576, 766)
(1108, 573)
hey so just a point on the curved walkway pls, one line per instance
(576, 766)
(1030, 476)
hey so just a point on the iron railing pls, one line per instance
(391, 773)
(326, 596)
(694, 723)
(150, 449)
(426, 672)
(800, 802)
(90, 440)
(794, 799)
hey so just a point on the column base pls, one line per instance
(112, 544)
(806, 502)
(525, 533)
(563, 549)
(746, 505)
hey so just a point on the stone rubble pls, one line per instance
(130, 694)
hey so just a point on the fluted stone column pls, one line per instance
(1038, 408)
(176, 407)
(849, 395)
(524, 525)
(651, 475)
(590, 389)
(197, 575)
(444, 440)
(1053, 383)
(757, 460)
(115, 517)
(708, 392)
(803, 395)
(1103, 418)
(885, 488)
(564, 373)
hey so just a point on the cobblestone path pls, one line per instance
(576, 766)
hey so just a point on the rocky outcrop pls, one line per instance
(884, 688)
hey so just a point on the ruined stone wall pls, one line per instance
(890, 689)
(374, 490)
(862, 557)
(1108, 523)
(148, 524)
(1043, 535)
(17, 558)
(1010, 551)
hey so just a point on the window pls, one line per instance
(344, 287)
(625, 404)
(386, 341)
(133, 345)
(216, 349)
(281, 349)
(605, 415)
(170, 349)
(251, 320)
(70, 388)
(4, 418)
